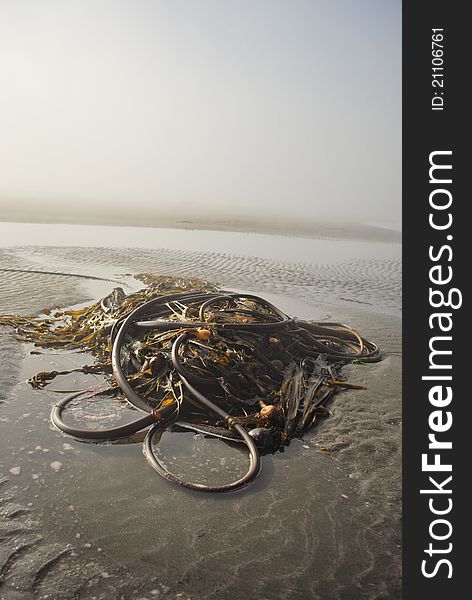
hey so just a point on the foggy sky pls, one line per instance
(203, 107)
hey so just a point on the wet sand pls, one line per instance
(323, 519)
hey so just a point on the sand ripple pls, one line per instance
(372, 283)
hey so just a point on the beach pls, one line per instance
(323, 519)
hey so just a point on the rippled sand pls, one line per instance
(323, 519)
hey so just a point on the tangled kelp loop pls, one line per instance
(193, 357)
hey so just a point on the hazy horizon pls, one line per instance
(212, 110)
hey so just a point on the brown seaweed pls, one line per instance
(278, 380)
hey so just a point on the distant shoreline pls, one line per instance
(329, 231)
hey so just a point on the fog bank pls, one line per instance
(208, 110)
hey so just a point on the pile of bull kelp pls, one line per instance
(190, 354)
